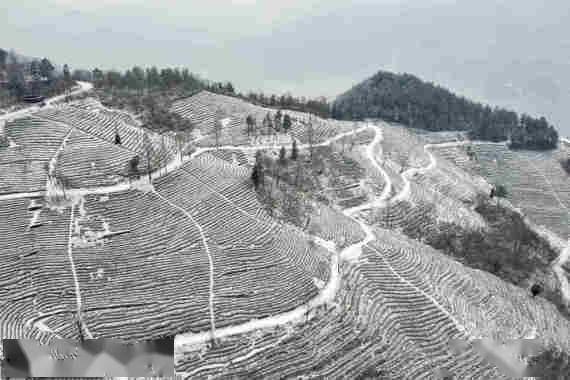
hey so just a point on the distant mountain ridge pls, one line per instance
(404, 98)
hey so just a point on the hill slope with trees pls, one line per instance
(404, 98)
(22, 77)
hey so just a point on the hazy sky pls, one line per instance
(514, 53)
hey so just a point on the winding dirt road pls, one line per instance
(81, 87)
(350, 253)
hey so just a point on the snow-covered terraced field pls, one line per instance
(535, 181)
(24, 163)
(99, 124)
(403, 147)
(218, 195)
(205, 108)
(80, 138)
(103, 124)
(394, 317)
(235, 157)
(332, 225)
(35, 271)
(86, 161)
(323, 129)
(140, 257)
(451, 181)
(194, 254)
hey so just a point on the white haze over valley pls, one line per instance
(513, 53)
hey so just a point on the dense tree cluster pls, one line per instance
(534, 134)
(277, 123)
(551, 363)
(404, 98)
(508, 248)
(318, 106)
(226, 88)
(23, 76)
(157, 116)
(141, 79)
(147, 92)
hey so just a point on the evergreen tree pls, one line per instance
(138, 78)
(294, 151)
(257, 175)
(500, 192)
(218, 126)
(133, 168)
(117, 138)
(16, 80)
(267, 123)
(286, 122)
(67, 80)
(310, 136)
(3, 56)
(282, 156)
(66, 75)
(249, 123)
(36, 77)
(98, 77)
(535, 289)
(278, 119)
(46, 69)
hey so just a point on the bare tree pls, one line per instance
(249, 120)
(218, 127)
(268, 123)
(67, 81)
(310, 136)
(149, 153)
(298, 173)
(164, 152)
(180, 141)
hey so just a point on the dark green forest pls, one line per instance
(406, 99)
(30, 76)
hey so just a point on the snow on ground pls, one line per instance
(295, 315)
(82, 87)
(350, 253)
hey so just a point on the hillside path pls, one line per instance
(82, 87)
(350, 253)
(212, 332)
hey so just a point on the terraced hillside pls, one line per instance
(535, 182)
(205, 109)
(74, 146)
(393, 317)
(25, 162)
(192, 252)
(163, 254)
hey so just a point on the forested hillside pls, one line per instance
(406, 99)
(21, 76)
